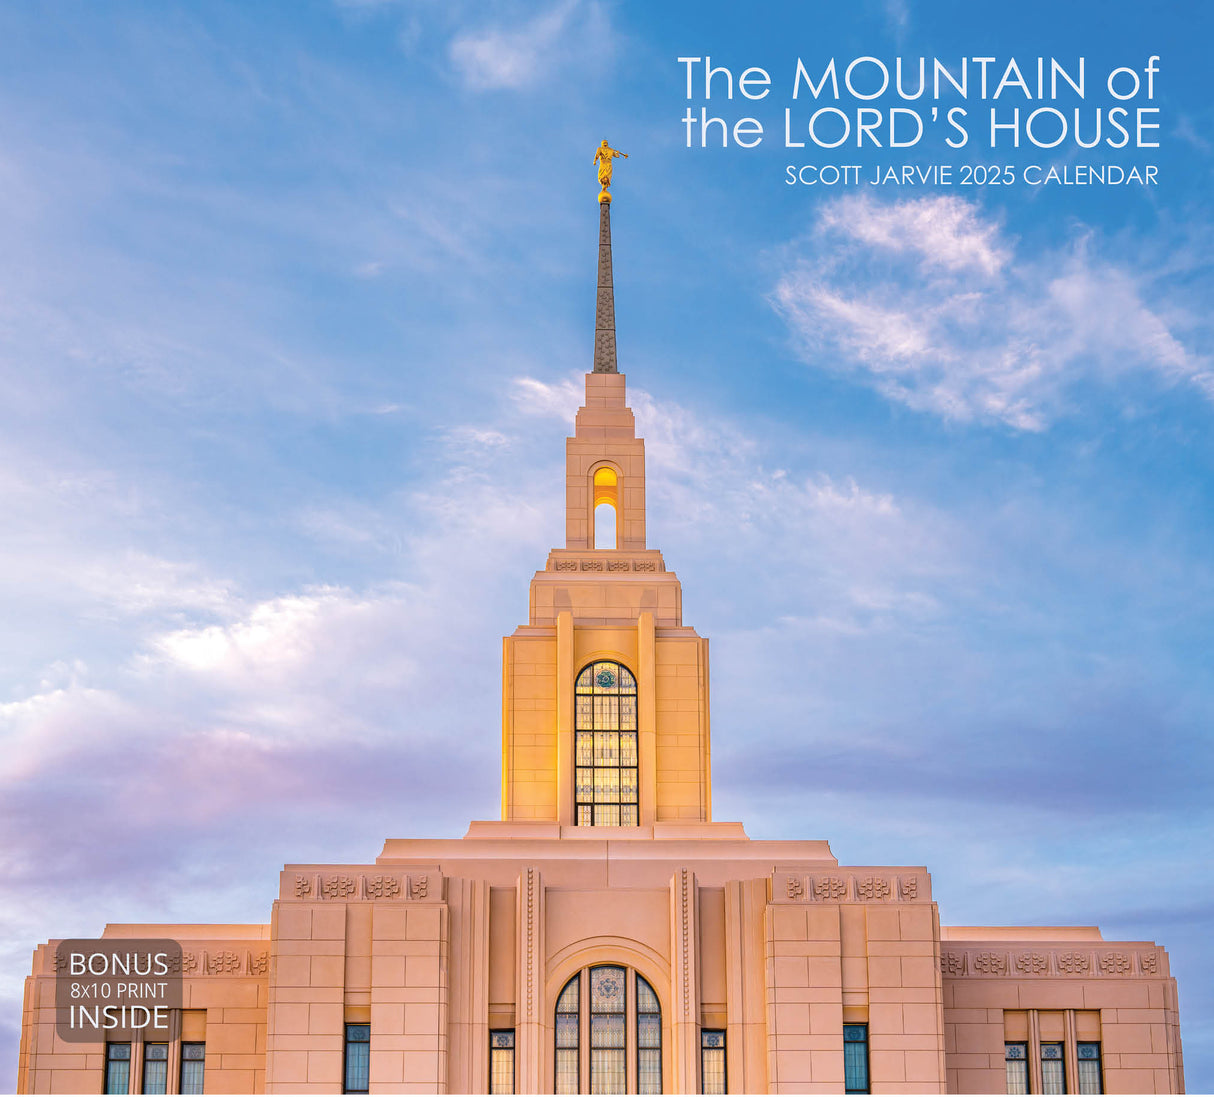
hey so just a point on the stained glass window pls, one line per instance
(605, 751)
(649, 1039)
(1016, 1060)
(855, 1058)
(501, 1060)
(193, 1061)
(358, 1059)
(1053, 1074)
(567, 1073)
(117, 1068)
(607, 1029)
(712, 1061)
(155, 1068)
(1089, 1068)
(595, 1007)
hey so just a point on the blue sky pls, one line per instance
(295, 301)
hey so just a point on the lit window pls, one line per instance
(605, 727)
(358, 1059)
(1053, 1074)
(567, 1066)
(855, 1058)
(712, 1060)
(607, 1030)
(594, 1008)
(193, 1060)
(649, 1039)
(117, 1068)
(606, 502)
(1016, 1062)
(501, 1060)
(155, 1068)
(1089, 1068)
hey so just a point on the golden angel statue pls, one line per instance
(603, 156)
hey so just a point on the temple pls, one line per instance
(606, 934)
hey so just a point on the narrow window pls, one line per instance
(712, 1060)
(193, 1060)
(358, 1059)
(855, 1058)
(606, 514)
(1053, 1074)
(649, 1039)
(155, 1068)
(501, 1060)
(607, 1030)
(117, 1068)
(605, 724)
(1090, 1080)
(567, 1072)
(604, 526)
(1016, 1062)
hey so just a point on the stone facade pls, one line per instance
(773, 949)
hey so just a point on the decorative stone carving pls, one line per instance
(619, 565)
(872, 888)
(260, 963)
(1116, 963)
(795, 887)
(1074, 963)
(1149, 962)
(952, 963)
(644, 565)
(189, 962)
(990, 963)
(382, 887)
(830, 888)
(910, 887)
(224, 962)
(592, 565)
(566, 565)
(340, 886)
(303, 887)
(418, 886)
(1032, 963)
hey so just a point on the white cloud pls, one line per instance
(944, 231)
(518, 57)
(935, 308)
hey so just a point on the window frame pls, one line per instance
(202, 1065)
(111, 1058)
(705, 1033)
(495, 1035)
(147, 1059)
(868, 1078)
(1022, 1059)
(589, 809)
(1080, 1059)
(580, 982)
(347, 1042)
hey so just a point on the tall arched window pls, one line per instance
(606, 486)
(605, 727)
(595, 1015)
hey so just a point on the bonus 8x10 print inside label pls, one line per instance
(114, 989)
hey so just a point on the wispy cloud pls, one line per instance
(935, 307)
(515, 57)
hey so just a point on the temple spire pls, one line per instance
(604, 309)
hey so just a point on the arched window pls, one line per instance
(594, 1052)
(606, 508)
(605, 727)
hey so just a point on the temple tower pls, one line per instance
(605, 652)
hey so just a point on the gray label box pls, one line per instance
(110, 990)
